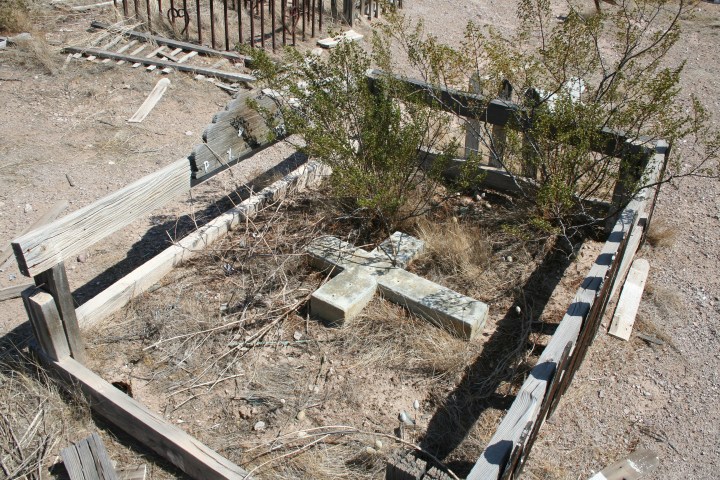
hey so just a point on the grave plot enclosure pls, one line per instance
(266, 364)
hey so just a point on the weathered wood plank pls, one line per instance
(155, 95)
(176, 43)
(526, 406)
(55, 281)
(148, 428)
(46, 218)
(637, 465)
(235, 134)
(46, 323)
(139, 280)
(156, 62)
(629, 302)
(72, 462)
(41, 249)
(132, 473)
(14, 291)
(495, 111)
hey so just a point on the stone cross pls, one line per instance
(360, 273)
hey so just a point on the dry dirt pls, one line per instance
(626, 395)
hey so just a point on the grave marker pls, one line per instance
(361, 273)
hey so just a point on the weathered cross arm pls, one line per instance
(363, 273)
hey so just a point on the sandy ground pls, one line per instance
(627, 394)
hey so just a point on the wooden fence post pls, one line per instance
(499, 132)
(46, 323)
(56, 283)
(529, 153)
(473, 125)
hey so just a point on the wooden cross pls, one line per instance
(360, 273)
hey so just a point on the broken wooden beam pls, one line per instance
(183, 67)
(235, 134)
(629, 302)
(148, 428)
(15, 291)
(150, 102)
(46, 323)
(88, 459)
(46, 218)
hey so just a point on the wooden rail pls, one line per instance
(41, 249)
(496, 111)
(578, 326)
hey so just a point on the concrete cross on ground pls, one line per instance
(361, 273)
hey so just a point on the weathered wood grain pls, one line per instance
(526, 406)
(183, 67)
(629, 302)
(88, 459)
(41, 249)
(46, 218)
(139, 280)
(55, 282)
(14, 291)
(152, 99)
(235, 134)
(148, 428)
(46, 323)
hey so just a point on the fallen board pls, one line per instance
(235, 134)
(41, 249)
(637, 465)
(148, 428)
(88, 459)
(155, 95)
(629, 302)
(183, 67)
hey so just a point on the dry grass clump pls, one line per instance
(661, 233)
(14, 16)
(456, 249)
(34, 419)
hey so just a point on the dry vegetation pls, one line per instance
(226, 348)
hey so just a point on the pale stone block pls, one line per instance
(343, 297)
(400, 248)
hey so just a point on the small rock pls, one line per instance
(370, 451)
(301, 415)
(405, 418)
(297, 335)
(416, 405)
(28, 208)
(82, 258)
(70, 179)
(244, 411)
(378, 444)
(518, 310)
(111, 162)
(20, 38)
(509, 258)
(11, 277)
(188, 133)
(259, 426)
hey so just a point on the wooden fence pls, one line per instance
(508, 449)
(57, 324)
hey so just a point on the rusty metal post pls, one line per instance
(159, 6)
(149, 15)
(227, 27)
(320, 7)
(283, 4)
(272, 22)
(171, 15)
(125, 7)
(303, 19)
(212, 23)
(262, 23)
(293, 18)
(239, 15)
(137, 8)
(199, 21)
(312, 20)
(252, 23)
